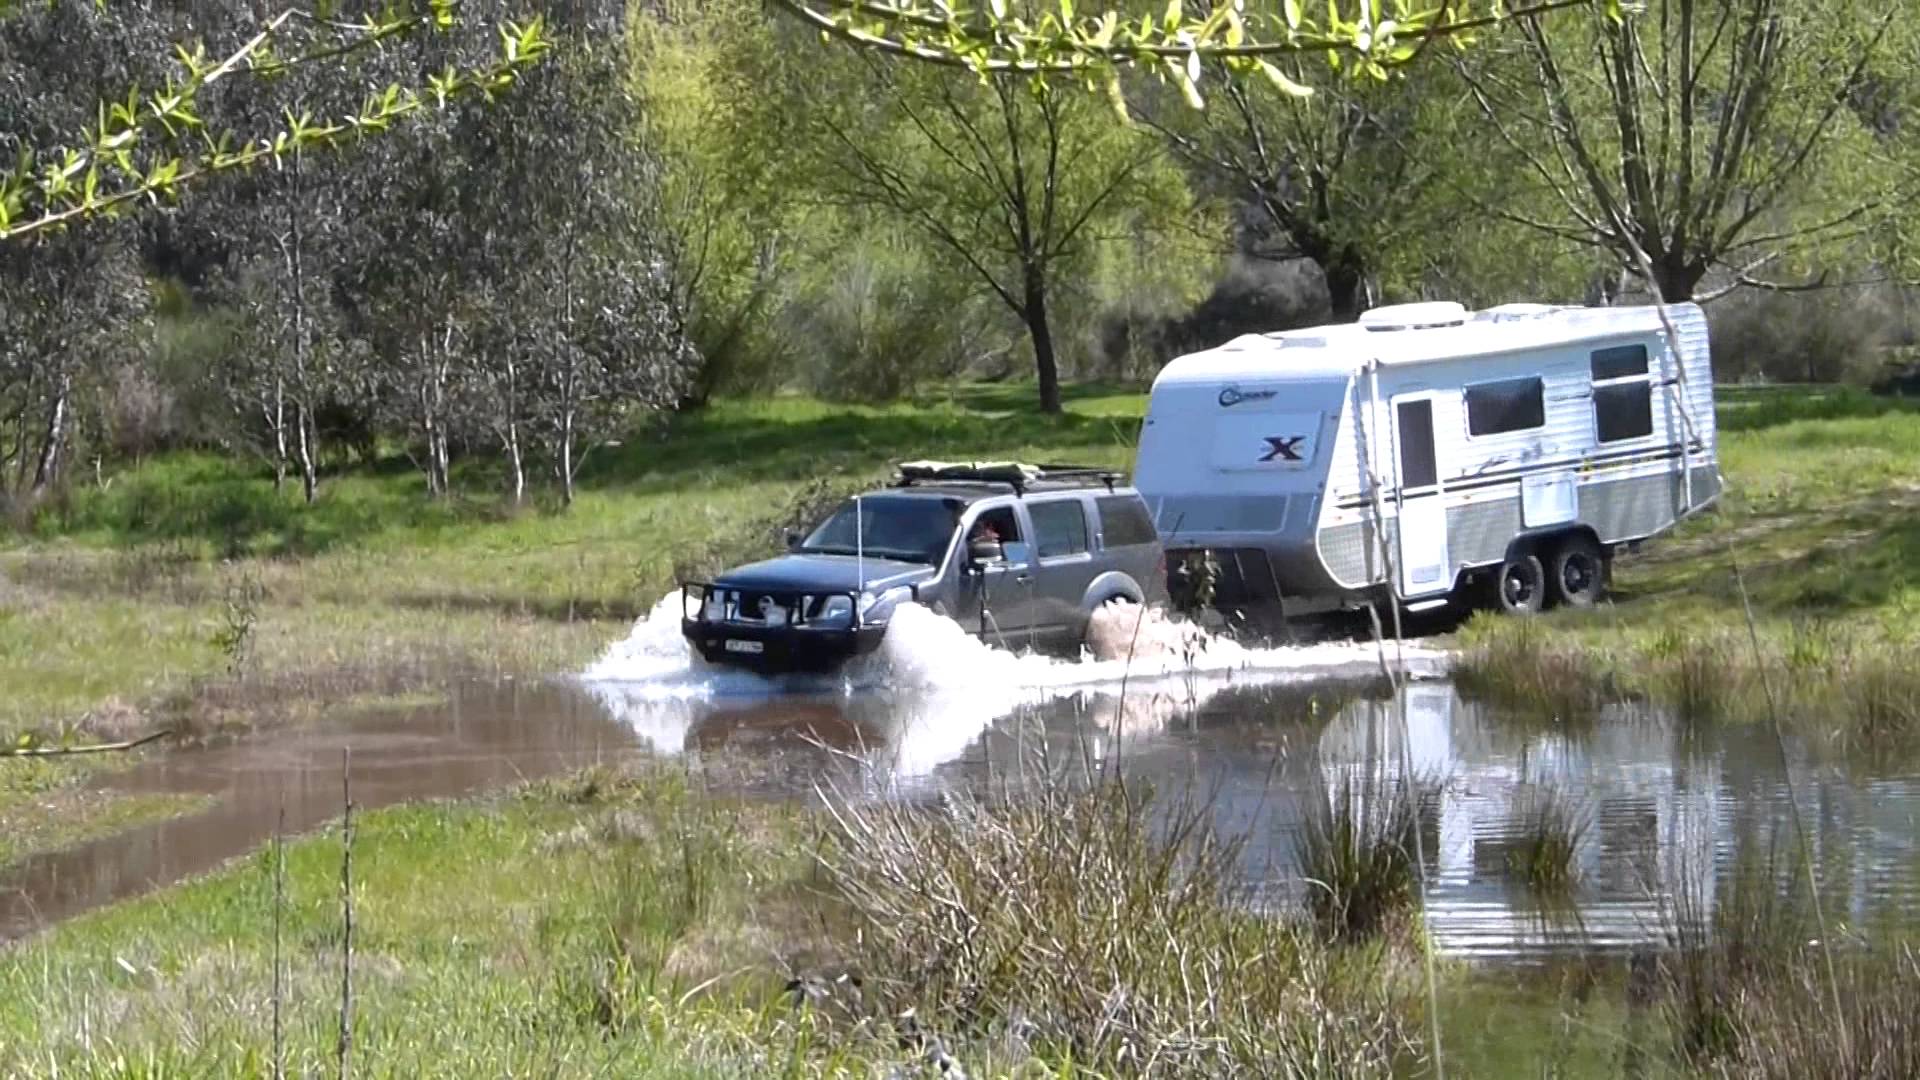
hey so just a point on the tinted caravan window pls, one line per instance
(1509, 405)
(1622, 393)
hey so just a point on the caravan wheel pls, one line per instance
(1520, 587)
(1579, 572)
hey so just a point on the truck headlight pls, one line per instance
(836, 608)
(870, 602)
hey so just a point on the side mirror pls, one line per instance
(985, 551)
(793, 540)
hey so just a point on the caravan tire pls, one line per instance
(1520, 585)
(1578, 575)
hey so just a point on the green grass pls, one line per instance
(43, 806)
(118, 599)
(553, 931)
(1569, 1022)
(120, 592)
(632, 925)
(1820, 521)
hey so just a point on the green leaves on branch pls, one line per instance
(1366, 38)
(153, 144)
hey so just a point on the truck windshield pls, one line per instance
(912, 530)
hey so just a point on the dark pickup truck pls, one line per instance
(1019, 555)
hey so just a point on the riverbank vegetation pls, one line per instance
(1813, 538)
(469, 397)
(632, 921)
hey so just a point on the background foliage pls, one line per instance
(683, 200)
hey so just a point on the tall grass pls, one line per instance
(1729, 934)
(1700, 677)
(1551, 825)
(1752, 989)
(1101, 926)
(1356, 852)
(1523, 666)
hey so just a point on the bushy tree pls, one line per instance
(1015, 184)
(1689, 141)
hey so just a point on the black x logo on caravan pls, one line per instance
(1283, 447)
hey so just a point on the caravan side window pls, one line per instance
(1495, 408)
(1622, 394)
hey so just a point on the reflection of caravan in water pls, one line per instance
(1652, 817)
(1427, 448)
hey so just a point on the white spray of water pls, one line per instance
(923, 651)
(936, 687)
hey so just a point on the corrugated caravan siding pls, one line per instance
(1630, 509)
(1350, 551)
(1691, 325)
(1480, 532)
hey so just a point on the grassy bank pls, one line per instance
(135, 590)
(1818, 535)
(633, 925)
(187, 594)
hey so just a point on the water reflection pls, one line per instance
(1664, 806)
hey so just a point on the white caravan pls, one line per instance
(1427, 448)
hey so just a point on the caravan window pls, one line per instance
(1622, 394)
(1619, 362)
(1509, 405)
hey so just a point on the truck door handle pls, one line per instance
(1023, 578)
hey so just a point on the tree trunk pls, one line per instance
(425, 399)
(566, 455)
(570, 386)
(1676, 280)
(1035, 312)
(519, 469)
(512, 438)
(279, 423)
(303, 440)
(302, 393)
(1346, 286)
(48, 468)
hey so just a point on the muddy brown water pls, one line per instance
(1664, 809)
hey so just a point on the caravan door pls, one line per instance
(1422, 558)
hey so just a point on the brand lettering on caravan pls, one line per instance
(1233, 395)
(1283, 447)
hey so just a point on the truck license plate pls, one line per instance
(740, 645)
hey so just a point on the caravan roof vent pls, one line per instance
(1414, 316)
(1517, 312)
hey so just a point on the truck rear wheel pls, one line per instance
(1578, 574)
(1519, 587)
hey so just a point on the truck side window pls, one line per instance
(1005, 527)
(1124, 521)
(1059, 528)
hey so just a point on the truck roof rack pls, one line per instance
(1019, 476)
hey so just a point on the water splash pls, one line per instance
(1127, 645)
